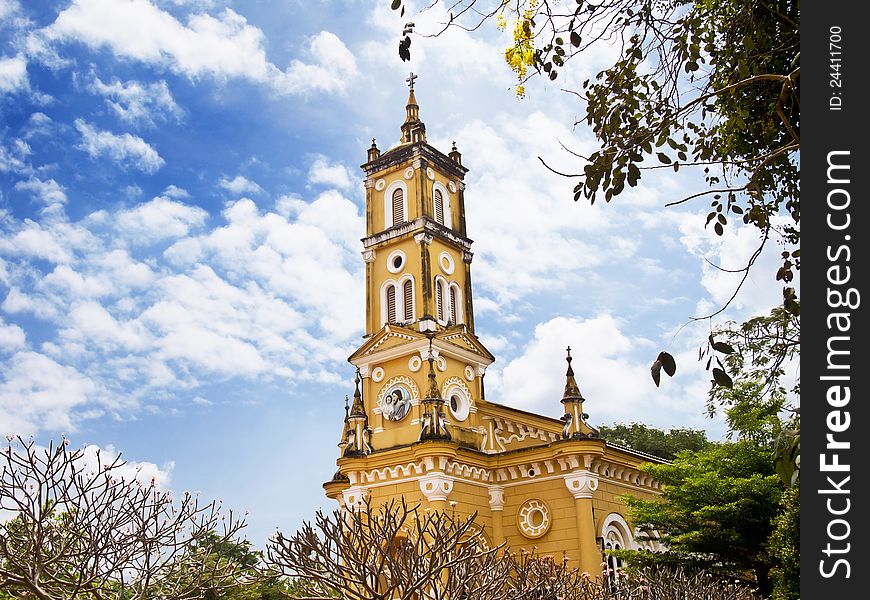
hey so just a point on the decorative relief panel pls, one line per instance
(534, 518)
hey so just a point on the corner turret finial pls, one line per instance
(373, 152)
(575, 425)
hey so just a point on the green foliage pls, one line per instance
(716, 511)
(664, 444)
(785, 547)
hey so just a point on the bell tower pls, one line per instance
(419, 309)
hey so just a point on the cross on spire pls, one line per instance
(410, 80)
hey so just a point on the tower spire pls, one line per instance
(413, 129)
(574, 418)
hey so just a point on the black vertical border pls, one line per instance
(823, 131)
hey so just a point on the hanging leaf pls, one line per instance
(396, 4)
(668, 363)
(723, 348)
(722, 378)
(656, 372)
(575, 39)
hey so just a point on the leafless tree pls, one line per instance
(76, 528)
(394, 551)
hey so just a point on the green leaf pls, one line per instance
(664, 158)
(396, 4)
(718, 228)
(575, 39)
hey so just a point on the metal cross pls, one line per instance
(410, 80)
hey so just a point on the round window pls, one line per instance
(458, 403)
(396, 261)
(396, 403)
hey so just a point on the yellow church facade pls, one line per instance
(420, 425)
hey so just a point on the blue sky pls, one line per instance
(180, 215)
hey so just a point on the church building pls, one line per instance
(420, 424)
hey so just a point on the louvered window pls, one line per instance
(439, 207)
(439, 301)
(391, 304)
(398, 208)
(453, 304)
(408, 297)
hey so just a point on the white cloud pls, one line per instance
(240, 185)
(615, 383)
(334, 68)
(12, 337)
(126, 149)
(332, 174)
(138, 103)
(222, 47)
(13, 74)
(38, 393)
(159, 219)
(50, 193)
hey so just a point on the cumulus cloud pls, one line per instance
(38, 393)
(13, 74)
(222, 47)
(125, 149)
(50, 193)
(332, 174)
(138, 103)
(614, 381)
(158, 219)
(240, 185)
(262, 296)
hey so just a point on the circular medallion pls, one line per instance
(409, 172)
(380, 184)
(451, 186)
(430, 173)
(414, 363)
(441, 363)
(377, 374)
(445, 261)
(459, 403)
(396, 402)
(533, 518)
(469, 373)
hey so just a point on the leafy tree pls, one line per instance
(716, 511)
(785, 547)
(664, 444)
(77, 528)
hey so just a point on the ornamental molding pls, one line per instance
(436, 486)
(455, 382)
(496, 497)
(501, 432)
(391, 334)
(395, 472)
(354, 496)
(369, 255)
(582, 483)
(467, 472)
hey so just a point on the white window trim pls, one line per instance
(460, 317)
(445, 299)
(388, 202)
(445, 195)
(400, 300)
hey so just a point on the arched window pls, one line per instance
(391, 303)
(616, 535)
(408, 298)
(454, 305)
(398, 207)
(439, 207)
(439, 299)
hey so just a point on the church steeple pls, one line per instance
(413, 129)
